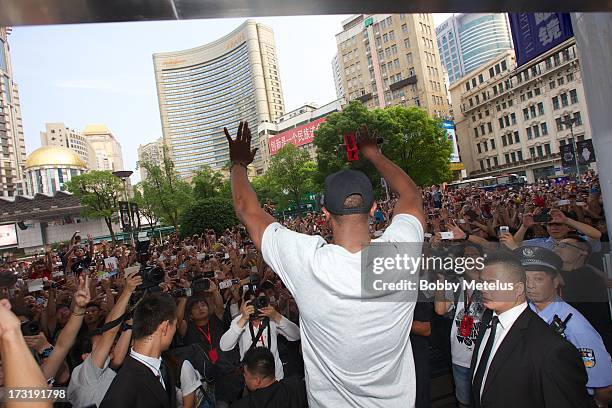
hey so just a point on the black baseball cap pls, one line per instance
(535, 258)
(340, 185)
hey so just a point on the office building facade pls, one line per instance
(392, 59)
(511, 120)
(106, 148)
(152, 152)
(12, 142)
(466, 41)
(204, 89)
(337, 77)
(58, 134)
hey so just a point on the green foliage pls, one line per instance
(99, 193)
(412, 140)
(291, 175)
(168, 194)
(207, 183)
(212, 212)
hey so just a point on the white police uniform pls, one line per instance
(585, 338)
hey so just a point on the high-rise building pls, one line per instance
(203, 89)
(58, 134)
(392, 59)
(466, 41)
(513, 119)
(337, 77)
(12, 142)
(152, 152)
(106, 148)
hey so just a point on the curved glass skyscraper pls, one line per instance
(204, 89)
(466, 41)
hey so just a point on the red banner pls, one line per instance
(298, 136)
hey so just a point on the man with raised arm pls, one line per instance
(356, 352)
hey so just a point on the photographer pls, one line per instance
(19, 369)
(92, 378)
(264, 324)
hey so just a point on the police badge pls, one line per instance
(588, 357)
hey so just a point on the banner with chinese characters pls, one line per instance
(298, 136)
(535, 33)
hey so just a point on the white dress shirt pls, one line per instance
(151, 362)
(506, 320)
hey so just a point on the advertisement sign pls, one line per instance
(8, 235)
(124, 210)
(449, 126)
(535, 33)
(567, 155)
(586, 152)
(298, 136)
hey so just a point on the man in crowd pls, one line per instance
(265, 391)
(359, 354)
(519, 361)
(144, 381)
(543, 281)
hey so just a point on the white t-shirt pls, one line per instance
(190, 382)
(356, 353)
(462, 346)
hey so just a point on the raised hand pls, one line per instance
(240, 149)
(82, 296)
(367, 142)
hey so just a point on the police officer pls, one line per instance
(543, 280)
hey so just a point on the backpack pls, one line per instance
(198, 358)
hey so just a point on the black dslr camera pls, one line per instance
(259, 303)
(30, 328)
(152, 275)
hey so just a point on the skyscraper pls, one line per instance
(392, 59)
(106, 148)
(152, 152)
(203, 89)
(466, 41)
(12, 142)
(337, 77)
(58, 134)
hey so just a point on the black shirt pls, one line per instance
(288, 393)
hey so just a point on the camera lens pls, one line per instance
(30, 328)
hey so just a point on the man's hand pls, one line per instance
(37, 342)
(10, 326)
(458, 233)
(132, 282)
(367, 142)
(82, 296)
(246, 310)
(270, 312)
(557, 216)
(528, 221)
(507, 239)
(240, 149)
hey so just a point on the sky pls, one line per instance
(103, 73)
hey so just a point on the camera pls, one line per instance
(30, 328)
(200, 285)
(181, 293)
(151, 276)
(259, 303)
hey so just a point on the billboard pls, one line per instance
(297, 136)
(449, 126)
(535, 33)
(8, 235)
(585, 152)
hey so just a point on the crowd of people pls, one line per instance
(272, 314)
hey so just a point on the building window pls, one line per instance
(501, 123)
(492, 144)
(479, 148)
(520, 155)
(507, 157)
(513, 155)
(507, 120)
(536, 131)
(570, 77)
(537, 91)
(559, 124)
(555, 101)
(489, 127)
(481, 165)
(510, 138)
(482, 129)
(560, 81)
(551, 84)
(513, 118)
(532, 111)
(547, 149)
(526, 113)
(517, 139)
(529, 135)
(532, 152)
(486, 146)
(578, 118)
(480, 79)
(564, 101)
(539, 149)
(504, 142)
(404, 28)
(488, 163)
(573, 96)
(491, 73)
(544, 127)
(504, 66)
(540, 108)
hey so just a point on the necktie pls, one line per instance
(482, 364)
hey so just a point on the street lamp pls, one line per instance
(570, 121)
(124, 175)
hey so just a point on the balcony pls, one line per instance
(411, 80)
(364, 98)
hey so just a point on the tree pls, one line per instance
(212, 212)
(207, 183)
(146, 206)
(99, 193)
(412, 140)
(169, 194)
(291, 174)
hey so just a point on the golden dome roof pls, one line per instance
(96, 129)
(54, 156)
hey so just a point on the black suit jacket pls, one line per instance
(135, 386)
(532, 367)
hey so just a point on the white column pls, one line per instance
(593, 33)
